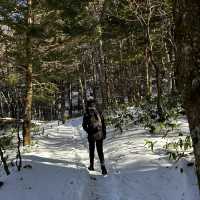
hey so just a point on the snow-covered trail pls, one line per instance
(59, 170)
(136, 173)
(56, 169)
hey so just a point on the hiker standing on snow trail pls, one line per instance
(93, 124)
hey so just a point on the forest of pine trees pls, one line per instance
(53, 53)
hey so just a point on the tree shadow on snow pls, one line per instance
(47, 178)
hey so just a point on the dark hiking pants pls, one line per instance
(99, 146)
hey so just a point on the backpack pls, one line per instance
(96, 126)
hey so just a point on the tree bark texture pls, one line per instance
(187, 38)
(28, 77)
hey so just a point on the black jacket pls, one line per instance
(87, 125)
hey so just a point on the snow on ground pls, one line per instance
(58, 170)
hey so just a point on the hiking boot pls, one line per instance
(91, 168)
(103, 169)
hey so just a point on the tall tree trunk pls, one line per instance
(147, 74)
(187, 38)
(159, 91)
(101, 70)
(169, 51)
(62, 101)
(1, 106)
(28, 77)
(83, 93)
(70, 99)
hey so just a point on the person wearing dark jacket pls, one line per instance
(96, 133)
